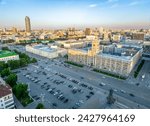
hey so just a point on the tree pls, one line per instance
(110, 98)
(5, 72)
(20, 90)
(23, 55)
(16, 51)
(5, 48)
(11, 80)
(33, 60)
(40, 106)
(51, 41)
(14, 64)
(23, 62)
(66, 56)
(8, 41)
(62, 46)
(3, 65)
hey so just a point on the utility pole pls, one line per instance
(42, 97)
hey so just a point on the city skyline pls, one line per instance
(75, 54)
(72, 13)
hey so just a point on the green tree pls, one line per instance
(66, 56)
(20, 90)
(23, 62)
(16, 51)
(51, 41)
(5, 48)
(110, 98)
(40, 106)
(14, 64)
(62, 46)
(3, 65)
(5, 72)
(23, 55)
(11, 80)
(33, 60)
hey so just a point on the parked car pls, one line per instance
(132, 95)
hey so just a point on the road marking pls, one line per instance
(122, 105)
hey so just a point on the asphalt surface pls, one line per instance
(128, 94)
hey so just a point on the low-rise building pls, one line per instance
(7, 55)
(46, 51)
(73, 43)
(138, 36)
(6, 96)
(116, 37)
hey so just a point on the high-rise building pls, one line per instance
(87, 31)
(106, 36)
(4, 30)
(14, 30)
(95, 48)
(27, 23)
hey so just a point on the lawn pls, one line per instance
(75, 64)
(109, 74)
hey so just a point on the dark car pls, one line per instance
(91, 88)
(66, 100)
(132, 95)
(92, 93)
(137, 84)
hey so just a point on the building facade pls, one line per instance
(138, 36)
(42, 51)
(6, 96)
(73, 43)
(88, 31)
(50, 51)
(117, 64)
(7, 55)
(27, 24)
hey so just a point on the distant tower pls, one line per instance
(14, 30)
(95, 48)
(87, 31)
(27, 23)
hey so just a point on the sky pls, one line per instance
(75, 13)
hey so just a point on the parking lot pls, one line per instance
(52, 81)
(55, 89)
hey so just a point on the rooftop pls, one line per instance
(5, 90)
(44, 48)
(125, 58)
(83, 50)
(6, 53)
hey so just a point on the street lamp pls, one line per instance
(28, 87)
(42, 97)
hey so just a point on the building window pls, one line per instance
(5, 98)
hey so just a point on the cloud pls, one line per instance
(134, 3)
(93, 5)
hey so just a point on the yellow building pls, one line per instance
(117, 64)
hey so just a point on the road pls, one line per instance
(142, 93)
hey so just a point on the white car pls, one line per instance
(123, 91)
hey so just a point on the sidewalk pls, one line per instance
(17, 103)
